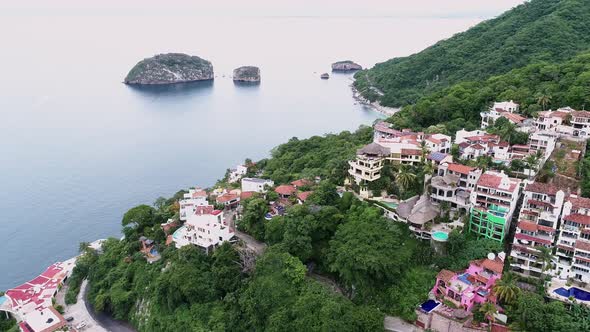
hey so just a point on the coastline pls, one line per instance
(375, 105)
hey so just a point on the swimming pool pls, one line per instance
(176, 234)
(578, 294)
(429, 305)
(2, 299)
(440, 236)
(392, 205)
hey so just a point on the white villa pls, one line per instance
(194, 198)
(507, 109)
(235, 174)
(573, 242)
(206, 228)
(454, 184)
(256, 185)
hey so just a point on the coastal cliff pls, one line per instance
(247, 74)
(346, 66)
(169, 69)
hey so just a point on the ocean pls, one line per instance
(78, 148)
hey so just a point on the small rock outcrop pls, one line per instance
(346, 66)
(247, 74)
(169, 69)
(325, 76)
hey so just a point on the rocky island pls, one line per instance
(169, 69)
(247, 74)
(346, 66)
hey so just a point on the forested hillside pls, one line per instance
(539, 30)
(456, 107)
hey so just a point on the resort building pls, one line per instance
(463, 135)
(229, 200)
(418, 212)
(507, 109)
(551, 120)
(285, 191)
(438, 158)
(235, 174)
(573, 244)
(31, 303)
(206, 228)
(542, 142)
(454, 184)
(580, 121)
(194, 198)
(256, 185)
(493, 203)
(472, 286)
(537, 226)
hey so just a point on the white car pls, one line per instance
(81, 326)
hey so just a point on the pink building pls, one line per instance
(472, 286)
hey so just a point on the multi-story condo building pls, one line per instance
(537, 226)
(503, 109)
(580, 121)
(543, 142)
(573, 243)
(493, 203)
(194, 198)
(551, 120)
(454, 184)
(206, 228)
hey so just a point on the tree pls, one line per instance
(544, 100)
(252, 221)
(367, 251)
(506, 288)
(545, 257)
(489, 310)
(404, 178)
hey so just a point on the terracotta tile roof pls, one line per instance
(564, 247)
(477, 147)
(464, 144)
(530, 213)
(200, 193)
(584, 259)
(246, 194)
(544, 188)
(578, 218)
(204, 209)
(433, 140)
(514, 117)
(527, 226)
(521, 236)
(301, 183)
(580, 202)
(285, 189)
(583, 245)
(539, 203)
(304, 195)
(226, 198)
(411, 152)
(581, 114)
(546, 229)
(462, 169)
(495, 265)
(489, 180)
(445, 275)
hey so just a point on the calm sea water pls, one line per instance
(78, 148)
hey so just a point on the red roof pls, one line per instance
(301, 183)
(246, 194)
(521, 236)
(204, 209)
(285, 189)
(584, 259)
(546, 229)
(200, 193)
(544, 188)
(495, 265)
(581, 114)
(304, 195)
(582, 245)
(527, 226)
(491, 180)
(226, 198)
(216, 212)
(514, 117)
(462, 169)
(578, 218)
(445, 275)
(411, 152)
(477, 146)
(539, 203)
(580, 202)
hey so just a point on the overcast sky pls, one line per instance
(394, 8)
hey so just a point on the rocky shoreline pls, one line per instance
(375, 105)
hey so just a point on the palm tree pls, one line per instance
(83, 247)
(428, 171)
(544, 257)
(544, 100)
(423, 151)
(404, 178)
(489, 310)
(506, 288)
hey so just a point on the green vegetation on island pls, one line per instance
(536, 31)
(170, 68)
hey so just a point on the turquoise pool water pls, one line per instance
(390, 204)
(177, 232)
(2, 299)
(440, 236)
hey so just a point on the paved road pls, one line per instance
(251, 243)
(104, 322)
(79, 311)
